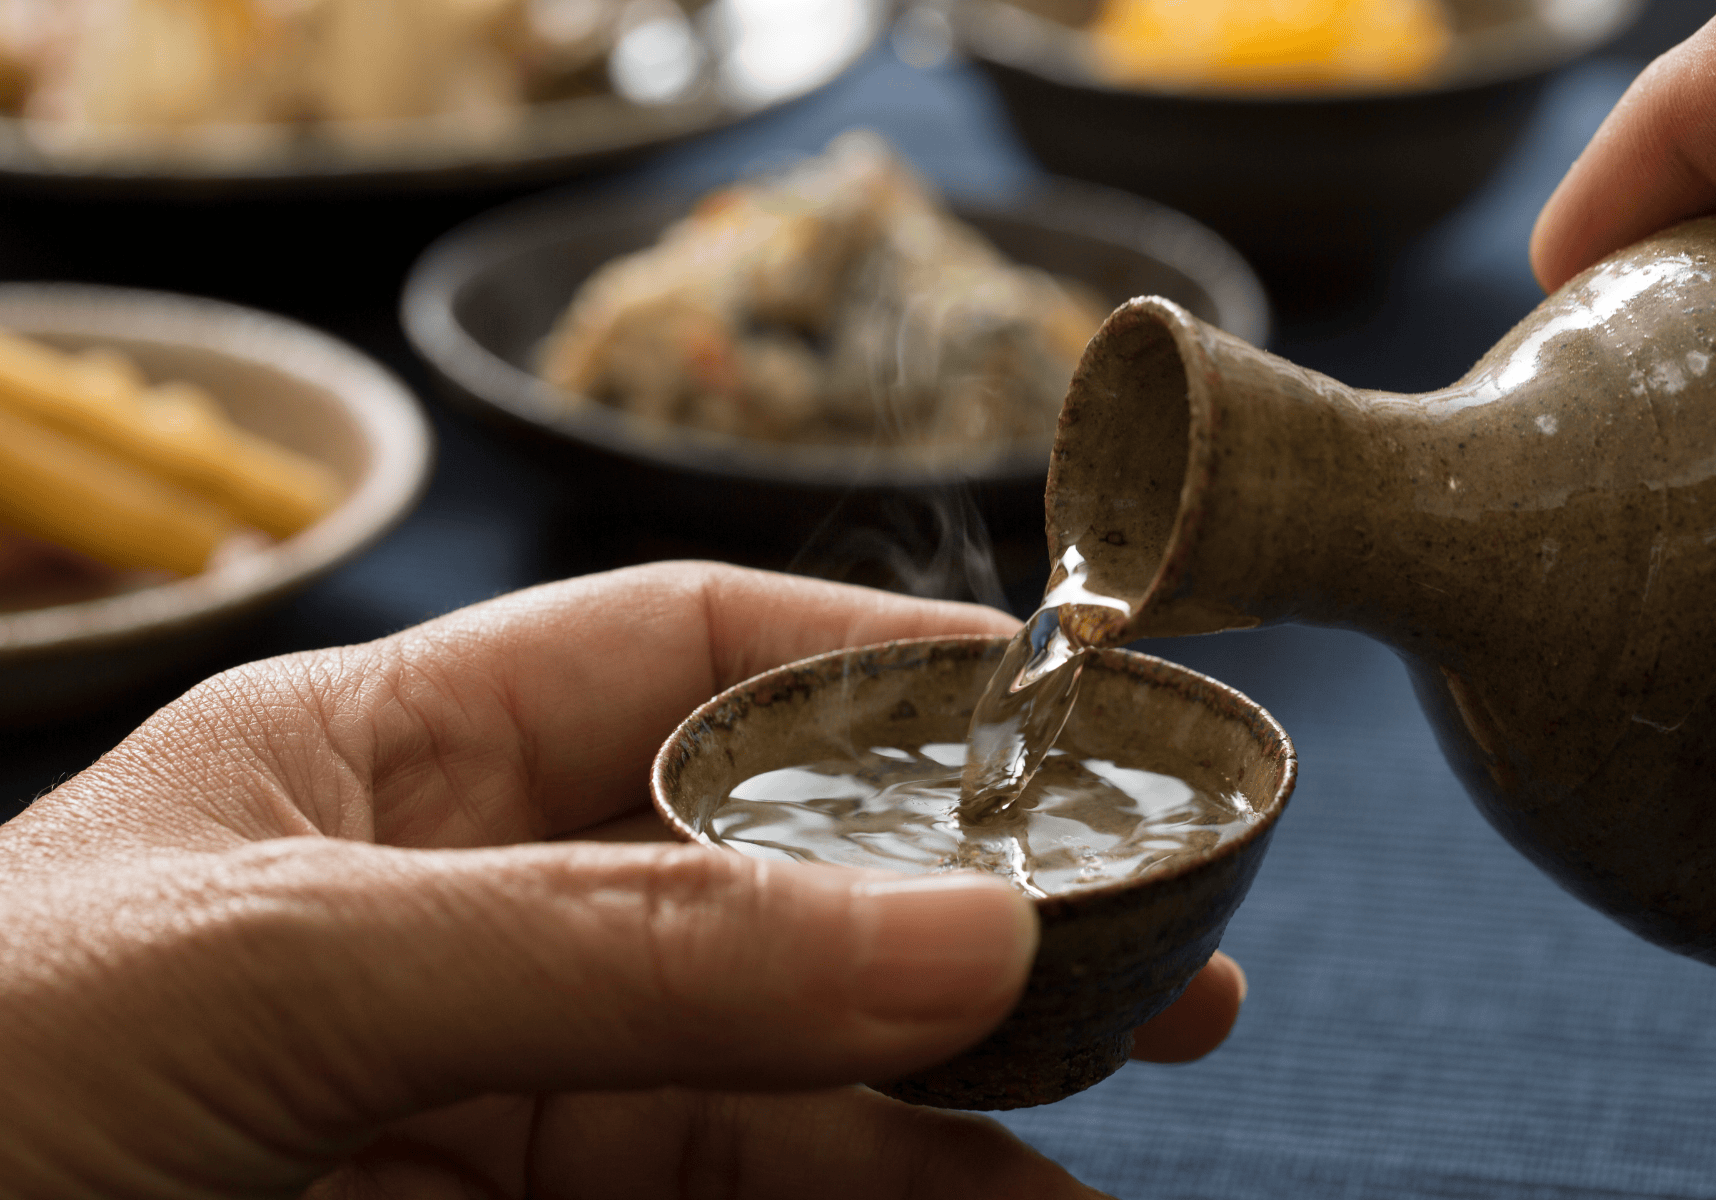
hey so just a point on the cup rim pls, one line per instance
(1160, 671)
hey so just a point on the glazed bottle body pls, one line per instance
(1538, 541)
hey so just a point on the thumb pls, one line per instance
(426, 976)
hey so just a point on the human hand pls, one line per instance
(1651, 163)
(316, 925)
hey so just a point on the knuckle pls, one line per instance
(264, 908)
(701, 914)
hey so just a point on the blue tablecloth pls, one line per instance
(1429, 1016)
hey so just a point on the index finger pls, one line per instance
(666, 638)
(526, 717)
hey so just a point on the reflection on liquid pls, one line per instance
(1081, 822)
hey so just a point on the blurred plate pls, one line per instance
(757, 55)
(286, 381)
(481, 300)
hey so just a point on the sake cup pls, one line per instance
(1111, 955)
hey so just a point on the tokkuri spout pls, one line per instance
(1538, 541)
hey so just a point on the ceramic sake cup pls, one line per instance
(1111, 957)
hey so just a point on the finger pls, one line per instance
(396, 1169)
(847, 1144)
(851, 1144)
(479, 1148)
(1199, 1020)
(592, 675)
(364, 983)
(526, 717)
(1650, 164)
(643, 825)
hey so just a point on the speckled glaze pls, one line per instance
(1110, 957)
(1535, 540)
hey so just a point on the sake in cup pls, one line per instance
(1112, 954)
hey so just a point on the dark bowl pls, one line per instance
(481, 300)
(1111, 956)
(1307, 184)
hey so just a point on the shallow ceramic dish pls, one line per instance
(1302, 181)
(281, 379)
(480, 301)
(760, 54)
(1110, 957)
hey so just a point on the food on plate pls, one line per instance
(137, 476)
(1281, 44)
(85, 68)
(61, 490)
(38, 574)
(836, 303)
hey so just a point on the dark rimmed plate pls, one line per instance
(480, 301)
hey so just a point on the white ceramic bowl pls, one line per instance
(296, 385)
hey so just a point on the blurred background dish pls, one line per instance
(291, 384)
(1318, 172)
(241, 97)
(832, 305)
(480, 303)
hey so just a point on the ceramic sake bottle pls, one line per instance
(1538, 541)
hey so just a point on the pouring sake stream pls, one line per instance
(1537, 541)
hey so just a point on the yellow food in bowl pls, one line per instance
(135, 475)
(1266, 44)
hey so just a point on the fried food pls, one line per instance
(138, 476)
(176, 432)
(838, 303)
(61, 490)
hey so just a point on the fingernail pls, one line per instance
(940, 946)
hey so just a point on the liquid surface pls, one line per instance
(1030, 696)
(1080, 823)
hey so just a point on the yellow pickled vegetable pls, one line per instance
(62, 490)
(1264, 44)
(174, 431)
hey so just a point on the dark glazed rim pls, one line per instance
(996, 32)
(428, 313)
(807, 675)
